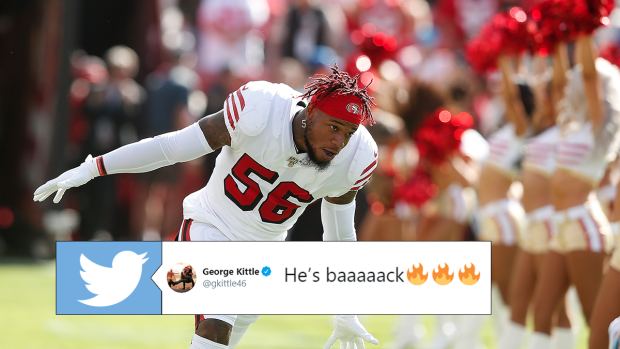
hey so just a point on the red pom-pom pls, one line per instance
(437, 138)
(591, 14)
(506, 32)
(548, 23)
(440, 135)
(417, 190)
(482, 53)
(611, 53)
(563, 20)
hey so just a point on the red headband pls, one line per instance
(345, 107)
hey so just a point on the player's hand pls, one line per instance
(72, 178)
(350, 332)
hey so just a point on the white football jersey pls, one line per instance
(259, 186)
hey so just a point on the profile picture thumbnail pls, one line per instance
(181, 277)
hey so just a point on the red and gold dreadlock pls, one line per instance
(339, 84)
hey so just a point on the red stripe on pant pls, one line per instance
(198, 319)
(184, 234)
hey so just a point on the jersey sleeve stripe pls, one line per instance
(235, 108)
(241, 100)
(358, 187)
(361, 185)
(230, 119)
(365, 178)
(369, 167)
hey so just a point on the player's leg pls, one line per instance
(182, 230)
(213, 331)
(192, 230)
(607, 306)
(241, 326)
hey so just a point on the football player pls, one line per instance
(280, 152)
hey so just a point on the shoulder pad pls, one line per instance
(248, 107)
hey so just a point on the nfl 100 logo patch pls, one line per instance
(292, 161)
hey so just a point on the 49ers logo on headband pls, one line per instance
(354, 108)
(336, 104)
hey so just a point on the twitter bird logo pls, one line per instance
(112, 285)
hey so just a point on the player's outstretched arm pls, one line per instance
(192, 142)
(337, 216)
(350, 332)
(214, 129)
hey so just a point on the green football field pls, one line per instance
(28, 320)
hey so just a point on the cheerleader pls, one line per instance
(446, 217)
(537, 168)
(442, 187)
(589, 121)
(607, 306)
(606, 192)
(501, 217)
(450, 157)
(397, 156)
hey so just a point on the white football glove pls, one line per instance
(72, 178)
(350, 332)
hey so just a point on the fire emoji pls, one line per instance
(443, 276)
(416, 276)
(468, 277)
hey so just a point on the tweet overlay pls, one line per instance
(331, 278)
(274, 278)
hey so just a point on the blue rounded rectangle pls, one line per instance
(107, 277)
